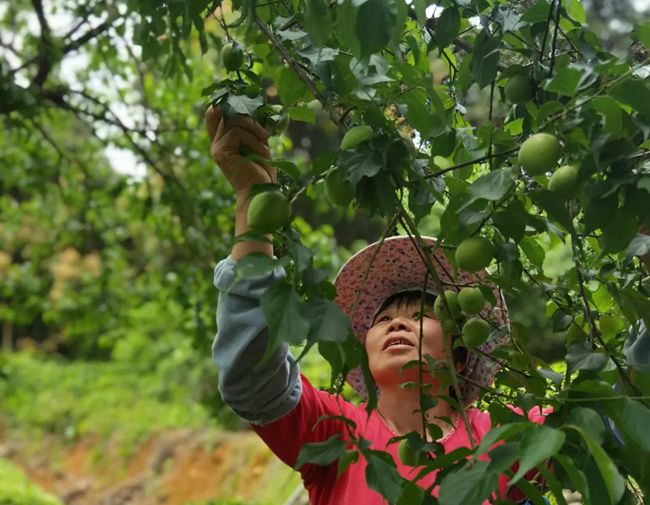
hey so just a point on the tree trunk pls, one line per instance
(7, 336)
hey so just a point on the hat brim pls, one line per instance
(382, 269)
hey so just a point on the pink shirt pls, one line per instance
(286, 436)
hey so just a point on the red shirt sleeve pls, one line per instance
(288, 434)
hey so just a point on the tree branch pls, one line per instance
(471, 162)
(86, 37)
(334, 114)
(44, 59)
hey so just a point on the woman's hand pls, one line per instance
(226, 140)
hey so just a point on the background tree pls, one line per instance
(89, 255)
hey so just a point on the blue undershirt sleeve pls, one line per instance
(259, 393)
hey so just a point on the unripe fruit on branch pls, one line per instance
(520, 89)
(471, 300)
(564, 180)
(338, 189)
(355, 135)
(474, 253)
(409, 456)
(449, 326)
(539, 153)
(269, 211)
(475, 332)
(232, 56)
(440, 310)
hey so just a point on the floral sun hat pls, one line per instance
(384, 268)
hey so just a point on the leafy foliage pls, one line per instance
(77, 399)
(17, 489)
(432, 89)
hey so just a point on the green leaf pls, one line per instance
(492, 186)
(358, 163)
(283, 311)
(346, 27)
(619, 232)
(256, 265)
(420, 11)
(287, 167)
(576, 11)
(318, 21)
(558, 260)
(485, 58)
(504, 432)
(532, 492)
(348, 457)
(580, 357)
(383, 477)
(321, 453)
(642, 33)
(577, 477)
(611, 111)
(468, 486)
(640, 246)
(241, 104)
(504, 456)
(411, 495)
(302, 113)
(612, 478)
(632, 418)
(553, 483)
(590, 421)
(633, 92)
(447, 27)
(537, 13)
(417, 112)
(291, 88)
(537, 445)
(554, 207)
(512, 221)
(533, 251)
(640, 303)
(565, 82)
(326, 321)
(375, 25)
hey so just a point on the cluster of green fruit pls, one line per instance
(452, 310)
(539, 154)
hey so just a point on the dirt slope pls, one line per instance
(172, 468)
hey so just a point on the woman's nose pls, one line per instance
(397, 324)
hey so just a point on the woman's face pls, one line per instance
(393, 340)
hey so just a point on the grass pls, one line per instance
(108, 399)
(17, 489)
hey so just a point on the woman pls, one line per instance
(384, 303)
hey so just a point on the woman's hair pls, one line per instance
(414, 296)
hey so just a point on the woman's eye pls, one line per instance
(381, 319)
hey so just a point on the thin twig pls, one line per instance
(421, 247)
(548, 25)
(553, 44)
(470, 162)
(302, 75)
